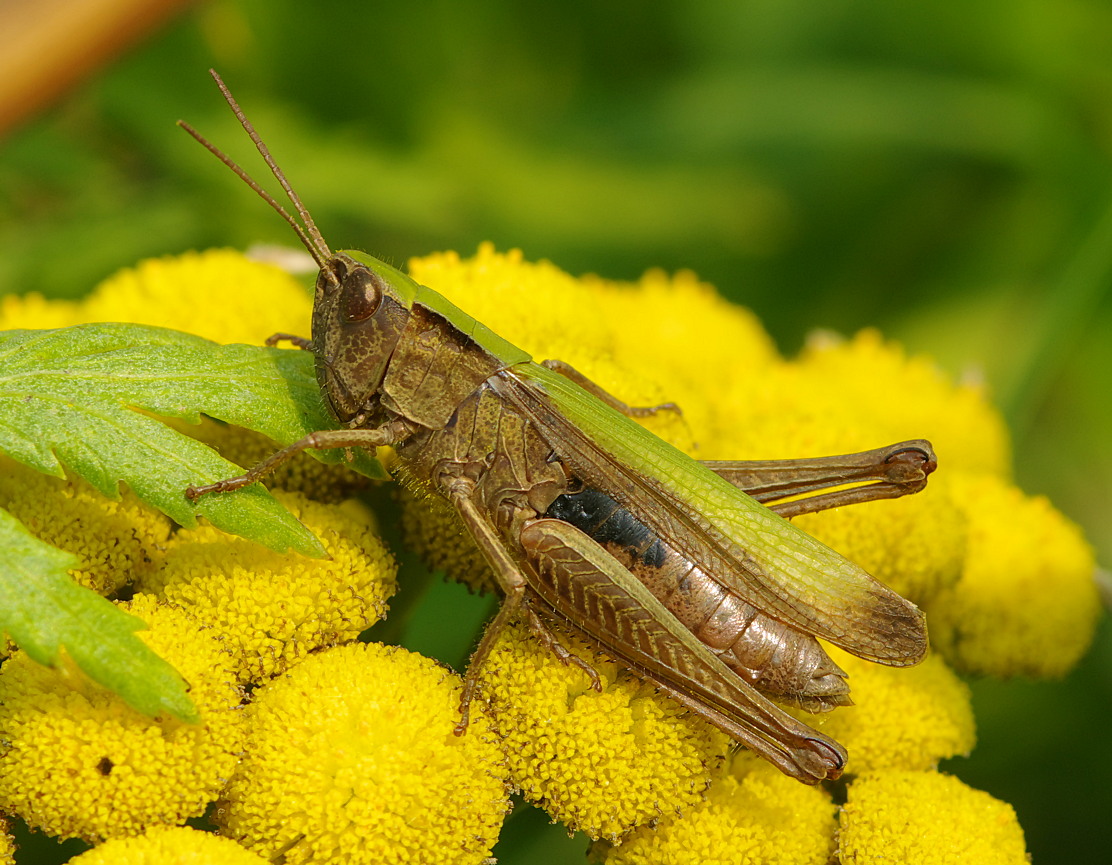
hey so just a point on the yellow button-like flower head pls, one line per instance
(927, 818)
(115, 541)
(218, 294)
(1026, 603)
(603, 763)
(275, 608)
(169, 846)
(752, 815)
(902, 718)
(76, 761)
(352, 759)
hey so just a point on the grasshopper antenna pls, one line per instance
(309, 235)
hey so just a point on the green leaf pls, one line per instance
(74, 397)
(44, 610)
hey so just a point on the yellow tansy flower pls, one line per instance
(901, 397)
(926, 818)
(352, 759)
(116, 541)
(76, 761)
(752, 815)
(1027, 602)
(601, 763)
(902, 718)
(177, 845)
(681, 332)
(272, 609)
(218, 294)
(842, 396)
(7, 844)
(531, 304)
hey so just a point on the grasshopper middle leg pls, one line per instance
(514, 585)
(572, 374)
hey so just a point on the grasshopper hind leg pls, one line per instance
(802, 486)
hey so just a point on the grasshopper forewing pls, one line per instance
(764, 558)
(588, 520)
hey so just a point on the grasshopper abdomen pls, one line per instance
(773, 657)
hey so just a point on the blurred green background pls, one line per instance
(939, 169)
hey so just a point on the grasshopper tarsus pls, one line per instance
(299, 341)
(549, 640)
(911, 462)
(572, 374)
(195, 492)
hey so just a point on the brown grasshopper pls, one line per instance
(588, 520)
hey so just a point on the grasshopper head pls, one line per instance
(361, 307)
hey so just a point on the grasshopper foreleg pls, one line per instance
(387, 434)
(572, 374)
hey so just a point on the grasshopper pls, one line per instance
(590, 522)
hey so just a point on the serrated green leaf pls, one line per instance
(44, 610)
(69, 397)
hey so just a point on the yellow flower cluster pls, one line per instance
(928, 818)
(272, 609)
(116, 542)
(254, 613)
(901, 718)
(76, 762)
(217, 294)
(1040, 620)
(742, 401)
(176, 845)
(351, 759)
(753, 815)
(349, 753)
(601, 763)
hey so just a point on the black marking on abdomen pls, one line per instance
(596, 514)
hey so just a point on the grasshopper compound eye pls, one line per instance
(361, 294)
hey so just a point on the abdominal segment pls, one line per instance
(773, 657)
